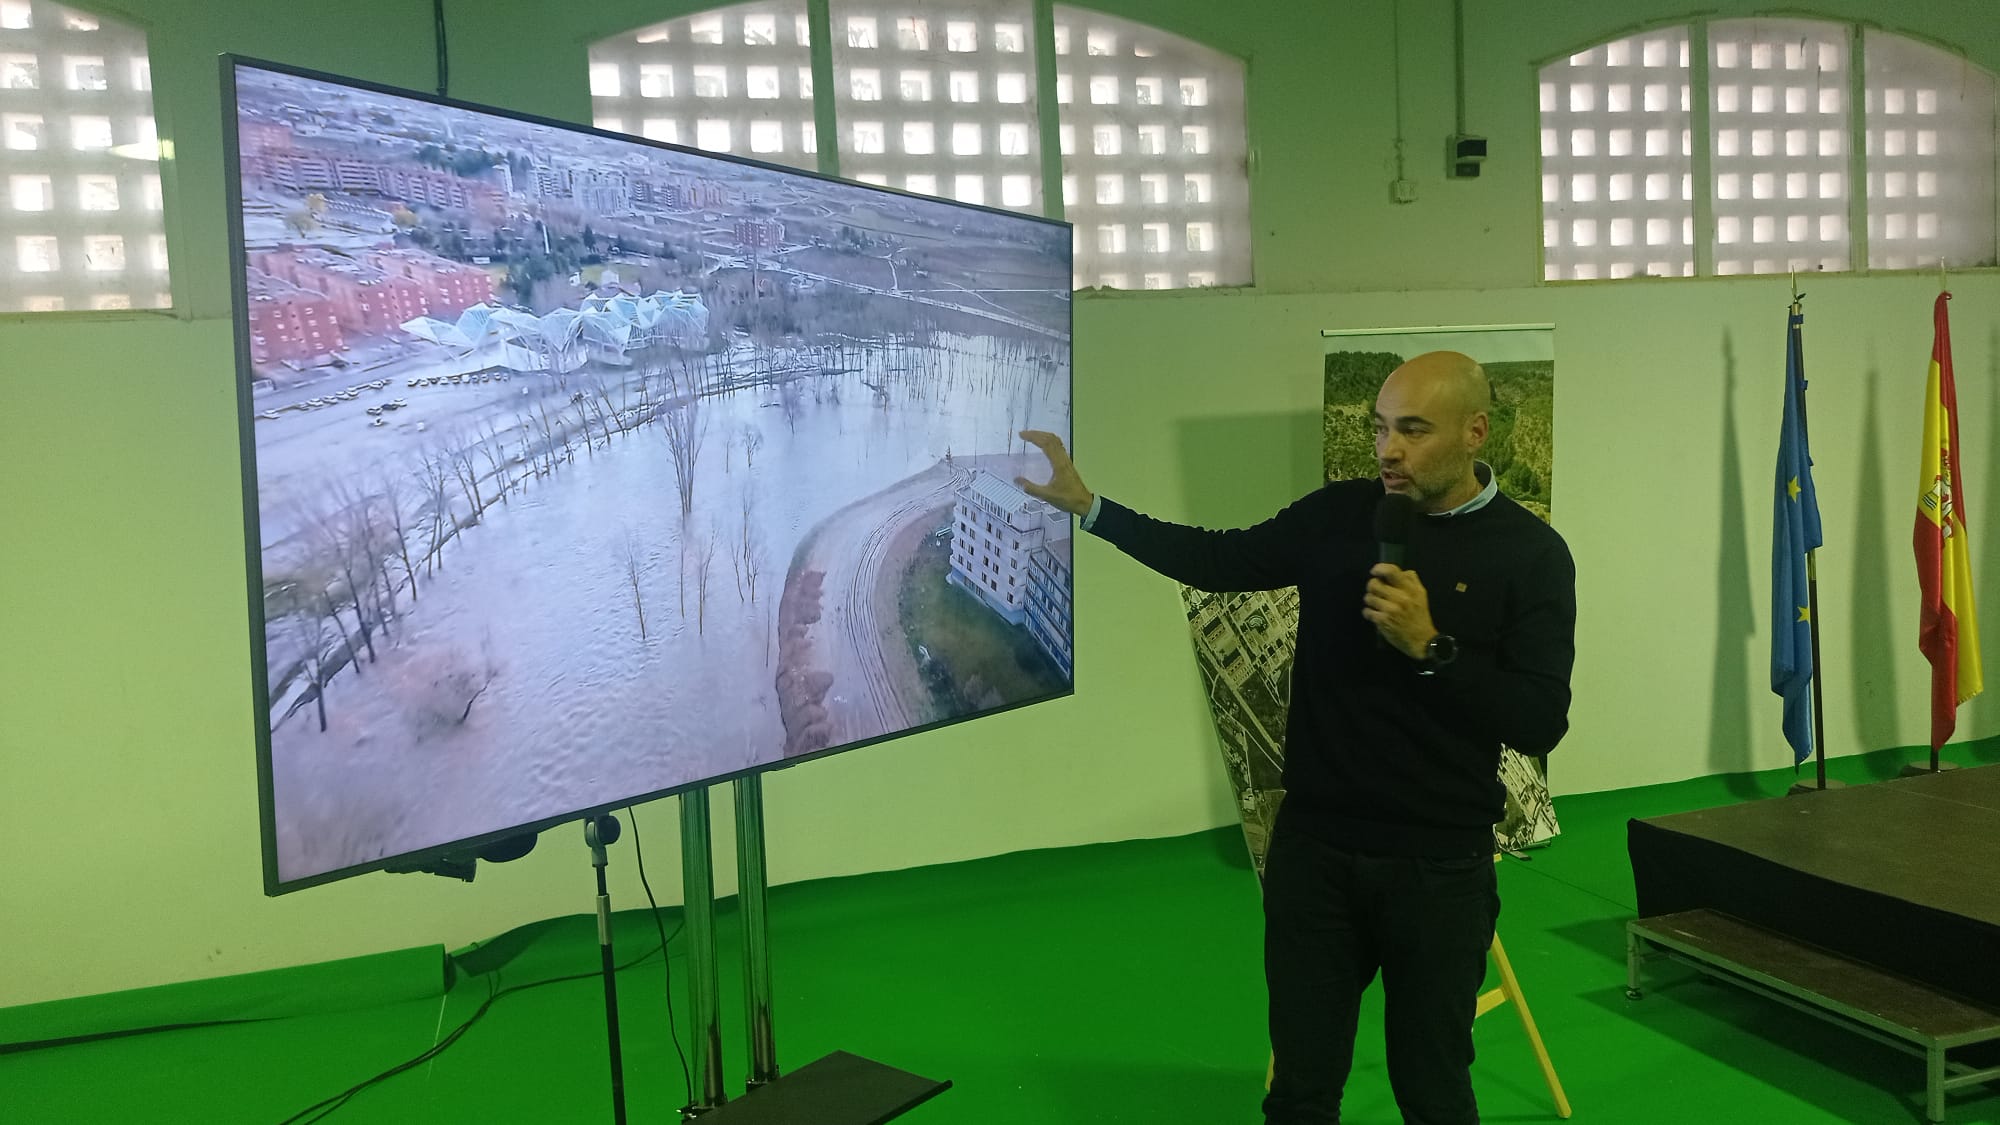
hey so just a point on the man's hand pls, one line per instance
(1399, 608)
(1065, 489)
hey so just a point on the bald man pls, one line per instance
(1407, 681)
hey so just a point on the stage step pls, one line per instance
(1890, 1009)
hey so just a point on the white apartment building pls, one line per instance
(1050, 619)
(996, 528)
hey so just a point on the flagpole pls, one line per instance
(1936, 766)
(1812, 575)
(1812, 600)
(1812, 591)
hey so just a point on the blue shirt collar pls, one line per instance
(1484, 472)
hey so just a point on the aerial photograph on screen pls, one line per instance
(586, 469)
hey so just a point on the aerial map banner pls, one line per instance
(1244, 642)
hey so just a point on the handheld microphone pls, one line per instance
(1393, 517)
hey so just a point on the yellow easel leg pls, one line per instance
(1512, 990)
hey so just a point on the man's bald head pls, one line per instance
(1451, 380)
(1431, 417)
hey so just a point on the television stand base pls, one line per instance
(840, 1089)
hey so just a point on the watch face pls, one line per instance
(1443, 649)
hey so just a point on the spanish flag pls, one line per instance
(1949, 632)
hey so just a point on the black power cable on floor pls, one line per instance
(320, 1110)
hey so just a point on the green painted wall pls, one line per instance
(128, 820)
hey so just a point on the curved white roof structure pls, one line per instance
(613, 325)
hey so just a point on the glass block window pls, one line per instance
(1778, 129)
(917, 91)
(735, 80)
(1778, 193)
(1153, 132)
(1617, 174)
(941, 97)
(1930, 129)
(80, 218)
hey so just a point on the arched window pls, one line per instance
(1930, 156)
(80, 211)
(940, 100)
(946, 100)
(735, 80)
(1154, 157)
(1759, 173)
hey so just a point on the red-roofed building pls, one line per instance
(377, 292)
(288, 321)
(450, 287)
(365, 299)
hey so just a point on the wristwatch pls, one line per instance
(1441, 650)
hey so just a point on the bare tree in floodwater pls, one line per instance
(392, 505)
(494, 451)
(703, 563)
(298, 606)
(682, 423)
(332, 542)
(443, 684)
(635, 565)
(791, 402)
(746, 548)
(433, 478)
(459, 448)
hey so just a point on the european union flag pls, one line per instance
(1794, 532)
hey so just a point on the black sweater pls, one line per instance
(1379, 758)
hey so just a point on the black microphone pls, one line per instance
(1393, 518)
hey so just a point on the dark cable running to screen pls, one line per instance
(443, 56)
(322, 1109)
(666, 962)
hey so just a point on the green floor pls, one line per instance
(1112, 983)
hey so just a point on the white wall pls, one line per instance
(128, 823)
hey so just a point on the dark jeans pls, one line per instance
(1332, 918)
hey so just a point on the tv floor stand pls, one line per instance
(839, 1089)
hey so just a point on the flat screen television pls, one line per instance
(580, 470)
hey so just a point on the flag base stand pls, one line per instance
(1922, 770)
(1799, 787)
